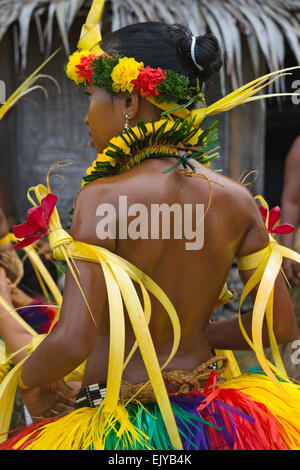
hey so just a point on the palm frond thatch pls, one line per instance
(265, 24)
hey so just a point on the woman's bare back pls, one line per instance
(190, 274)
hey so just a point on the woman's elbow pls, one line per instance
(75, 351)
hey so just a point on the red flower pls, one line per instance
(86, 67)
(274, 216)
(148, 79)
(36, 225)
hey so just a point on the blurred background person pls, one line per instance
(290, 207)
(290, 213)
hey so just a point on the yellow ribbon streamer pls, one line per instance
(42, 270)
(267, 263)
(8, 389)
(117, 338)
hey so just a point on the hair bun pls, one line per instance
(203, 53)
(207, 54)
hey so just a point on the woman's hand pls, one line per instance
(13, 295)
(50, 400)
(44, 249)
(19, 298)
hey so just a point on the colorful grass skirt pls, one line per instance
(246, 413)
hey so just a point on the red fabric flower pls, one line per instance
(37, 223)
(274, 216)
(148, 79)
(86, 68)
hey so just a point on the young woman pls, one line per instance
(122, 95)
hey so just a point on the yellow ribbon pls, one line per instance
(8, 388)
(8, 238)
(267, 263)
(90, 33)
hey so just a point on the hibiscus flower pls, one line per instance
(274, 217)
(37, 223)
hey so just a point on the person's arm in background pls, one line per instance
(56, 397)
(12, 332)
(4, 229)
(290, 207)
(5, 201)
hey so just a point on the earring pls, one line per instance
(126, 125)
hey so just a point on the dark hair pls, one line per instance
(166, 46)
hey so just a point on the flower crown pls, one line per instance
(116, 73)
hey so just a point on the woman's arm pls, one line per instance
(227, 334)
(4, 229)
(75, 334)
(12, 332)
(57, 397)
(3, 224)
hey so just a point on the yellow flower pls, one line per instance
(123, 74)
(71, 70)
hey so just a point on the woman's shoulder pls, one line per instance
(228, 189)
(86, 214)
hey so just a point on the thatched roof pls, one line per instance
(264, 23)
